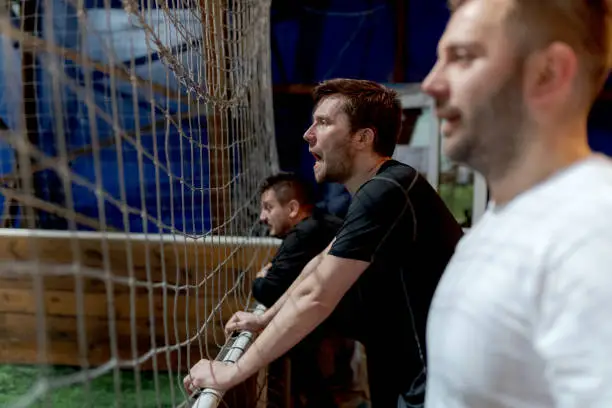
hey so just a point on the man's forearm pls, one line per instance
(310, 266)
(305, 308)
(300, 314)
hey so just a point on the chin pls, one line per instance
(454, 148)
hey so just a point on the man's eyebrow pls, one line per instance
(454, 46)
(321, 117)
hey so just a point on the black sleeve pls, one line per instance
(379, 206)
(292, 257)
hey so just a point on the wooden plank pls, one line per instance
(136, 253)
(16, 328)
(19, 332)
(65, 353)
(25, 326)
(214, 285)
(220, 294)
(64, 303)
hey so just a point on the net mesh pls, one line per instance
(134, 136)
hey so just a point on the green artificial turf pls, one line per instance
(17, 381)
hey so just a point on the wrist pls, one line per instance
(240, 371)
(264, 319)
(233, 375)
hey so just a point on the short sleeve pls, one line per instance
(574, 330)
(377, 209)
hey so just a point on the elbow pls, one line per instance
(315, 299)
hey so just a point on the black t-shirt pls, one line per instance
(398, 223)
(303, 242)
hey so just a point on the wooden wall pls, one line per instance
(58, 305)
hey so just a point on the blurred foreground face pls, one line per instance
(329, 141)
(477, 85)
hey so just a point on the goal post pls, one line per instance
(134, 136)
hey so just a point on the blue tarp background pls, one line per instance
(311, 41)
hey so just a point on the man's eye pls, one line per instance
(461, 56)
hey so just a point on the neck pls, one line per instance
(366, 168)
(301, 216)
(538, 162)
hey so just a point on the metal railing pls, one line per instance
(233, 349)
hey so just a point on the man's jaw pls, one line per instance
(319, 171)
(317, 164)
(270, 229)
(449, 126)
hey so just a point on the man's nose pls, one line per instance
(435, 84)
(309, 136)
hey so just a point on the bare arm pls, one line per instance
(249, 321)
(303, 309)
(308, 269)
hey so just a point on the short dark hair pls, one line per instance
(289, 186)
(368, 104)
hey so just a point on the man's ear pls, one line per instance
(550, 74)
(294, 208)
(365, 137)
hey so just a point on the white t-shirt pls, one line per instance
(522, 317)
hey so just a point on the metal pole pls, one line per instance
(231, 352)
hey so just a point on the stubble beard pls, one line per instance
(338, 168)
(338, 164)
(493, 136)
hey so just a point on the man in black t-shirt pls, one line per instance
(400, 227)
(288, 209)
(377, 278)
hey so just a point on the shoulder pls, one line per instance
(569, 210)
(330, 221)
(381, 202)
(316, 226)
(394, 174)
(394, 179)
(584, 240)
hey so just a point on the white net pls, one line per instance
(134, 135)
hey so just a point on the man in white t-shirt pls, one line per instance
(522, 317)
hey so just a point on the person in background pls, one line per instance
(521, 317)
(288, 209)
(321, 371)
